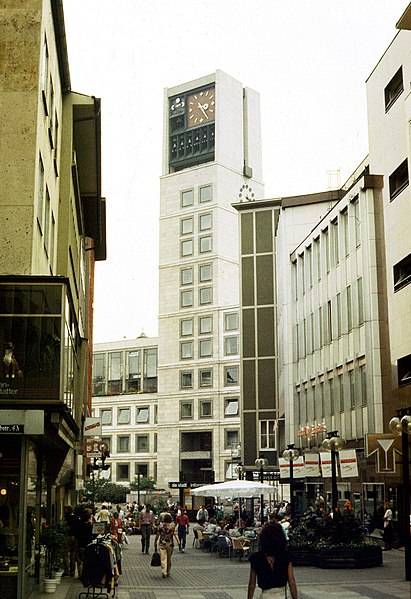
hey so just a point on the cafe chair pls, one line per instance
(200, 539)
(241, 547)
(223, 548)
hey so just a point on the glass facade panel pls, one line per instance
(30, 343)
(150, 370)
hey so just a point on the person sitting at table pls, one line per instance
(239, 524)
(199, 526)
(211, 527)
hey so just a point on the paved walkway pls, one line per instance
(200, 575)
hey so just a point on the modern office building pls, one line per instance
(337, 265)
(52, 232)
(125, 399)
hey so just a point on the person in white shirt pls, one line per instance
(202, 514)
(388, 534)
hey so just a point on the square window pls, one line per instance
(187, 248)
(205, 221)
(105, 416)
(232, 439)
(206, 325)
(123, 416)
(206, 378)
(187, 298)
(206, 348)
(230, 375)
(108, 441)
(231, 321)
(186, 276)
(123, 444)
(123, 472)
(186, 226)
(206, 193)
(231, 406)
(206, 409)
(186, 350)
(141, 469)
(142, 415)
(231, 346)
(186, 409)
(206, 295)
(142, 445)
(186, 327)
(205, 273)
(205, 244)
(187, 198)
(186, 379)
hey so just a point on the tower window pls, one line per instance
(394, 89)
(402, 273)
(399, 180)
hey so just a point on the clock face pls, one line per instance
(201, 107)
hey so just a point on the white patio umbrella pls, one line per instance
(233, 488)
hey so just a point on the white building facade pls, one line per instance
(211, 157)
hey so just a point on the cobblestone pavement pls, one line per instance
(198, 574)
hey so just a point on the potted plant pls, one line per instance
(53, 538)
(337, 542)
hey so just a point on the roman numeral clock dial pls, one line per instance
(201, 107)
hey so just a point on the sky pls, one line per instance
(308, 59)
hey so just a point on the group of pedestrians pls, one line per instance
(80, 532)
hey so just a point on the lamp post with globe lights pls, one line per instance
(333, 443)
(401, 425)
(261, 463)
(291, 454)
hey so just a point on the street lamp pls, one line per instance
(291, 454)
(261, 463)
(401, 425)
(333, 443)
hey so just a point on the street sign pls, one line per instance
(185, 485)
(93, 427)
(94, 448)
(12, 429)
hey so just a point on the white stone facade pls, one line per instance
(237, 143)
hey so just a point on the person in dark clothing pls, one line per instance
(271, 566)
(70, 548)
(84, 536)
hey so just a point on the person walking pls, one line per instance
(271, 566)
(84, 536)
(146, 526)
(388, 534)
(104, 516)
(165, 536)
(70, 547)
(183, 528)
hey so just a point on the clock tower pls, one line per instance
(211, 160)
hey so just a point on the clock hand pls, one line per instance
(202, 110)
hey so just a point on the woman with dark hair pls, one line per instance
(271, 566)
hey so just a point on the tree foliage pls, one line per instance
(104, 490)
(145, 483)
